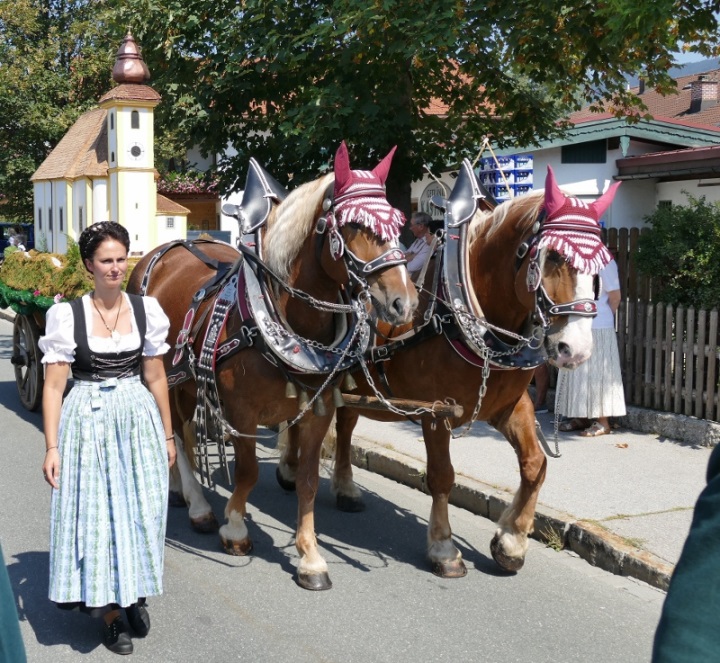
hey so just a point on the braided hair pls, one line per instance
(97, 233)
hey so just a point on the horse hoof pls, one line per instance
(349, 504)
(207, 524)
(504, 561)
(176, 499)
(237, 548)
(315, 582)
(284, 483)
(453, 569)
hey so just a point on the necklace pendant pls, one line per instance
(115, 336)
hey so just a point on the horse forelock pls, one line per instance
(521, 212)
(291, 222)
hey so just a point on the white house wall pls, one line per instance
(677, 192)
(197, 161)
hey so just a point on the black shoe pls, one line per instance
(139, 619)
(116, 638)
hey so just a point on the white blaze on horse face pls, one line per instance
(394, 295)
(574, 342)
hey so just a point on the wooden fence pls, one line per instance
(669, 355)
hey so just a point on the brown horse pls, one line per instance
(301, 243)
(520, 283)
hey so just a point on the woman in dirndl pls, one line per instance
(593, 392)
(109, 444)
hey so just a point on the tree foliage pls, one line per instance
(682, 253)
(286, 82)
(55, 63)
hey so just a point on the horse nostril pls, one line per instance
(564, 349)
(398, 306)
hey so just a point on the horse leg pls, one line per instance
(312, 572)
(445, 558)
(347, 495)
(286, 470)
(234, 533)
(202, 518)
(175, 489)
(510, 543)
(184, 486)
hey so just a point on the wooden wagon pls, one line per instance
(28, 326)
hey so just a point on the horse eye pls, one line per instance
(555, 258)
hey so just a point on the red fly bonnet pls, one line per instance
(572, 227)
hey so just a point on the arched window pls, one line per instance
(112, 121)
(134, 120)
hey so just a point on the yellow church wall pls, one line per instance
(134, 206)
(134, 148)
(170, 227)
(100, 201)
(51, 214)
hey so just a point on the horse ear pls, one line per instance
(603, 202)
(554, 198)
(383, 168)
(343, 175)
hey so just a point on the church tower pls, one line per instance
(131, 162)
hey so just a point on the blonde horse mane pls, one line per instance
(291, 222)
(527, 208)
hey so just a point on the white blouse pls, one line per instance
(58, 344)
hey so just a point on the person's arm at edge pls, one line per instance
(56, 376)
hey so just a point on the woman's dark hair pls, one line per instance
(97, 233)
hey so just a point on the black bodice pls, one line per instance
(98, 366)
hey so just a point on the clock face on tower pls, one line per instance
(136, 151)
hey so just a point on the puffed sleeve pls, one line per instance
(157, 328)
(58, 344)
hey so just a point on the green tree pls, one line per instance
(55, 63)
(681, 254)
(285, 82)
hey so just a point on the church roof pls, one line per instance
(167, 206)
(82, 152)
(131, 92)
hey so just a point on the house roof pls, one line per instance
(167, 206)
(672, 124)
(82, 152)
(674, 164)
(674, 106)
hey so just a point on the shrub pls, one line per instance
(682, 254)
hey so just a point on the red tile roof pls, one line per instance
(675, 107)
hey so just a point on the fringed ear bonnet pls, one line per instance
(360, 196)
(572, 227)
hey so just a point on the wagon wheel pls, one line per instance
(29, 376)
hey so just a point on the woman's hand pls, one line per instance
(51, 467)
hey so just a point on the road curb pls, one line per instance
(588, 540)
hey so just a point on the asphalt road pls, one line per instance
(385, 604)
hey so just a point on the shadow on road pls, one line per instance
(384, 532)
